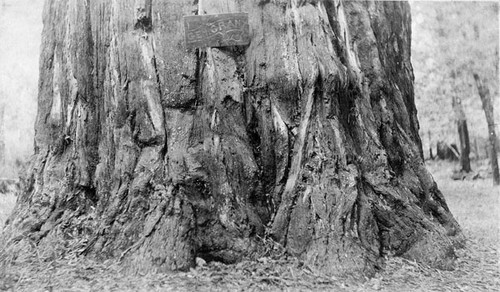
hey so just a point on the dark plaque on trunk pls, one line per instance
(216, 30)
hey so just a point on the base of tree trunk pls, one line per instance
(308, 136)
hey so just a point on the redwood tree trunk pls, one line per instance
(155, 155)
(484, 94)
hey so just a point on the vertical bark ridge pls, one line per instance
(288, 197)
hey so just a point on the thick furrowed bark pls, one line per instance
(166, 155)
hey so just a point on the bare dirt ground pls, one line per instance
(475, 204)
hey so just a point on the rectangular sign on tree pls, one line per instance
(216, 30)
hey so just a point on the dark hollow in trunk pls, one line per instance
(155, 155)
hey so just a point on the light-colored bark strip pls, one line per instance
(282, 216)
(151, 85)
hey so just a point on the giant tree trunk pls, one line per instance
(157, 155)
(484, 94)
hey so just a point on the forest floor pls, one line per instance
(474, 203)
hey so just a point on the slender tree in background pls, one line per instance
(463, 134)
(458, 109)
(155, 155)
(484, 94)
(463, 131)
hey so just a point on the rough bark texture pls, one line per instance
(484, 94)
(463, 134)
(156, 155)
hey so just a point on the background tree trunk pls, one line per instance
(463, 134)
(155, 155)
(476, 150)
(431, 155)
(484, 94)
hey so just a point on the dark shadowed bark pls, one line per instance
(155, 155)
(484, 94)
